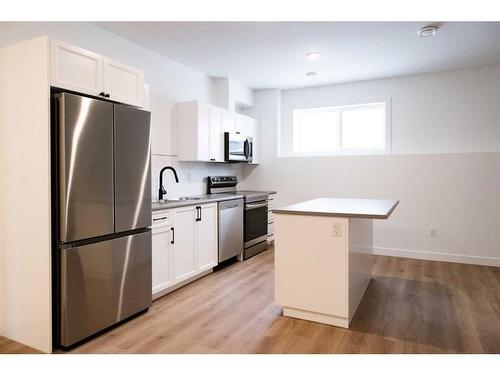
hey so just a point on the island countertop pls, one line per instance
(342, 207)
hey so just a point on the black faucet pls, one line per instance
(162, 190)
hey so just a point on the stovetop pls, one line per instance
(227, 185)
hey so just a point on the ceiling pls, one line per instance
(273, 54)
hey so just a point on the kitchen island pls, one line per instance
(323, 256)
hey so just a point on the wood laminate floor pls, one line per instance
(410, 306)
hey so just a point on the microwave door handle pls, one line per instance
(245, 148)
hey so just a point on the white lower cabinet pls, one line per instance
(162, 248)
(207, 237)
(184, 246)
(184, 261)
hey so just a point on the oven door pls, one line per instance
(255, 223)
(236, 147)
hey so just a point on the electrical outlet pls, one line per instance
(337, 230)
(432, 232)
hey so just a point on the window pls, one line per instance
(348, 129)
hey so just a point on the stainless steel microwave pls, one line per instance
(238, 147)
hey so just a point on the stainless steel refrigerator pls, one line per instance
(102, 203)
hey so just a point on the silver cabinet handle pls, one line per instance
(251, 206)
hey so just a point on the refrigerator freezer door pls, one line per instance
(85, 167)
(102, 284)
(132, 168)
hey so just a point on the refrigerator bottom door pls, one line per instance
(103, 283)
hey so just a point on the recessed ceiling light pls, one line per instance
(311, 74)
(428, 31)
(313, 55)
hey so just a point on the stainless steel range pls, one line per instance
(255, 212)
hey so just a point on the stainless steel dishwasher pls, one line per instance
(230, 228)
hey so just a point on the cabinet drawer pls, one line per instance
(162, 219)
(270, 228)
(75, 68)
(270, 200)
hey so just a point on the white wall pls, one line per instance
(445, 166)
(233, 95)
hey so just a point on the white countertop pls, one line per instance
(359, 208)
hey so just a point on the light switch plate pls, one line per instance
(337, 230)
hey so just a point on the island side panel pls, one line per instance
(360, 240)
(311, 267)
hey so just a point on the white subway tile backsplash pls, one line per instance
(192, 175)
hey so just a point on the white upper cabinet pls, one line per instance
(123, 83)
(199, 132)
(75, 68)
(228, 122)
(216, 147)
(83, 71)
(242, 124)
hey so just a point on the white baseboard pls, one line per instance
(442, 257)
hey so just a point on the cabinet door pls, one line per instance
(123, 83)
(242, 124)
(202, 126)
(184, 257)
(207, 237)
(162, 258)
(75, 68)
(216, 141)
(228, 122)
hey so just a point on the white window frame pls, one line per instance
(339, 150)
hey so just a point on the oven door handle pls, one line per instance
(251, 206)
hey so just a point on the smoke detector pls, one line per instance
(428, 31)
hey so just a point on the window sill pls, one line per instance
(330, 154)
